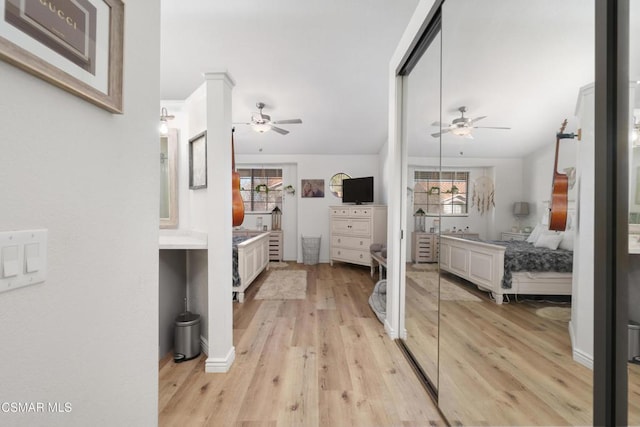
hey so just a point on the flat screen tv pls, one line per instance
(357, 190)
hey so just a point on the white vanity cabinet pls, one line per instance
(353, 228)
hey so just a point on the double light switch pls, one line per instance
(23, 258)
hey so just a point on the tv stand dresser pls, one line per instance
(353, 228)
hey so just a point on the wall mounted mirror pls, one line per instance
(169, 179)
(335, 184)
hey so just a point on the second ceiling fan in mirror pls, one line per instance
(462, 126)
(261, 122)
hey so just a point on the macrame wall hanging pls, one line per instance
(483, 192)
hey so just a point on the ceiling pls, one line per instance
(521, 73)
(520, 63)
(323, 61)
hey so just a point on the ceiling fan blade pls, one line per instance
(438, 124)
(477, 119)
(437, 134)
(241, 123)
(288, 122)
(279, 130)
(490, 127)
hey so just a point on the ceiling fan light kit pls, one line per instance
(260, 127)
(262, 123)
(462, 126)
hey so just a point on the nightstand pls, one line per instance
(509, 235)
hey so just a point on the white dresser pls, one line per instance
(353, 228)
(425, 246)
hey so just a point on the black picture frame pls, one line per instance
(198, 161)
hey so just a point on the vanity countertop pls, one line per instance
(182, 239)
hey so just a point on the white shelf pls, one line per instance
(182, 239)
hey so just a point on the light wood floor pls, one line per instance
(505, 365)
(321, 361)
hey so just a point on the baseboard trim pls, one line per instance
(579, 356)
(571, 336)
(393, 334)
(583, 358)
(204, 345)
(220, 365)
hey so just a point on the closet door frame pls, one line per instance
(610, 386)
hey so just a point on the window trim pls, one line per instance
(251, 190)
(441, 205)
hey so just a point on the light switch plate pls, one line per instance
(28, 264)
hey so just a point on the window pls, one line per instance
(261, 189)
(442, 193)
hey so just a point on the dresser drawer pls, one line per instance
(351, 255)
(340, 212)
(359, 243)
(365, 212)
(351, 226)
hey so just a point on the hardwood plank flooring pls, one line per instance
(326, 361)
(505, 365)
(321, 361)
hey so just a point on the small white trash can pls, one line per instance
(310, 250)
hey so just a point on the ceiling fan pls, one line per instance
(261, 122)
(462, 126)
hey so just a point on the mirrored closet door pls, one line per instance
(506, 355)
(422, 210)
(492, 98)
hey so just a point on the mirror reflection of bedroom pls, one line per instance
(498, 292)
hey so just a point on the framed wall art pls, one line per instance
(312, 187)
(198, 161)
(76, 45)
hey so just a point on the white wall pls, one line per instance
(313, 213)
(89, 334)
(172, 290)
(538, 175)
(507, 177)
(385, 173)
(289, 208)
(196, 110)
(538, 178)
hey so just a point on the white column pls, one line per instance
(219, 86)
(581, 325)
(394, 322)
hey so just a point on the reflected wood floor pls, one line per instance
(321, 361)
(505, 365)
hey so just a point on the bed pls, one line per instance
(250, 258)
(483, 264)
